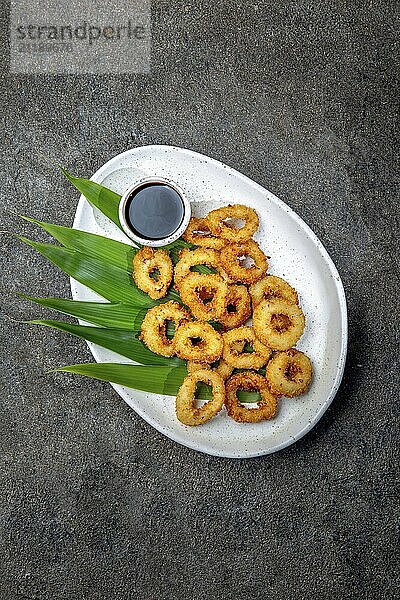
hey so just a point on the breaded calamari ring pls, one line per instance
(222, 221)
(249, 381)
(193, 366)
(154, 325)
(235, 256)
(223, 368)
(198, 233)
(278, 324)
(237, 307)
(271, 288)
(145, 263)
(289, 373)
(240, 359)
(190, 258)
(186, 410)
(205, 295)
(199, 342)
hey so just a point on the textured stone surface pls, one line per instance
(300, 96)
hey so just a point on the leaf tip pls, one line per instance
(25, 218)
(56, 370)
(67, 174)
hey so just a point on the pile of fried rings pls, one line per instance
(211, 327)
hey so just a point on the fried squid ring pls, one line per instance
(222, 222)
(198, 342)
(289, 373)
(198, 232)
(186, 410)
(234, 259)
(278, 324)
(238, 358)
(191, 258)
(237, 307)
(272, 288)
(146, 263)
(249, 381)
(224, 370)
(205, 295)
(154, 327)
(193, 366)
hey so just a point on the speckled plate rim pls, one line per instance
(99, 176)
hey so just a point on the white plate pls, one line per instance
(296, 255)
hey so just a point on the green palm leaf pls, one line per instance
(105, 200)
(121, 341)
(105, 314)
(155, 380)
(110, 282)
(91, 244)
(97, 247)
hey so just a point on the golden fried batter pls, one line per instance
(237, 308)
(235, 256)
(222, 222)
(153, 271)
(191, 258)
(187, 411)
(272, 288)
(205, 295)
(289, 373)
(224, 369)
(193, 366)
(240, 289)
(198, 233)
(278, 324)
(249, 381)
(154, 327)
(239, 359)
(198, 342)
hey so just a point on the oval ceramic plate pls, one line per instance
(296, 255)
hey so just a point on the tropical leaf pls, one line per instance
(104, 251)
(102, 198)
(121, 341)
(178, 245)
(110, 282)
(96, 246)
(155, 380)
(99, 247)
(105, 314)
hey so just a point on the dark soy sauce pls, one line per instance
(154, 211)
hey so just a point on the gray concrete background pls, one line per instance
(96, 504)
